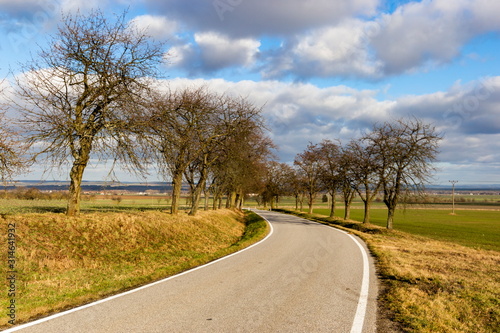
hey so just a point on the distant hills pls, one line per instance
(466, 187)
(163, 187)
(92, 186)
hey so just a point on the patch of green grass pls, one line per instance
(256, 229)
(473, 228)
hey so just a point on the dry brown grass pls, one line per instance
(62, 262)
(438, 286)
(435, 286)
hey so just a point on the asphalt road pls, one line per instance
(304, 277)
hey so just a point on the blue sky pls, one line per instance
(323, 69)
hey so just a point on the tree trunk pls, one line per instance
(390, 217)
(332, 205)
(176, 191)
(241, 198)
(347, 202)
(195, 202)
(207, 197)
(236, 200)
(76, 176)
(75, 189)
(391, 202)
(310, 204)
(232, 199)
(366, 218)
(347, 212)
(197, 192)
(216, 200)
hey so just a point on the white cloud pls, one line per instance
(212, 51)
(239, 18)
(73, 6)
(340, 50)
(420, 33)
(485, 13)
(467, 109)
(158, 27)
(299, 113)
(415, 37)
(181, 55)
(349, 39)
(219, 51)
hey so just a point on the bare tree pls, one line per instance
(81, 95)
(241, 170)
(178, 125)
(296, 183)
(310, 164)
(197, 131)
(276, 183)
(11, 147)
(348, 183)
(285, 178)
(365, 171)
(404, 150)
(234, 117)
(330, 156)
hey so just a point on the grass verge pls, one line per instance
(64, 262)
(473, 228)
(430, 285)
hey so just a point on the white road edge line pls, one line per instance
(359, 317)
(60, 314)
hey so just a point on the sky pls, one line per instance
(320, 69)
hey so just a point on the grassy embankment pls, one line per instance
(440, 272)
(63, 262)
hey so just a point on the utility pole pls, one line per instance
(453, 182)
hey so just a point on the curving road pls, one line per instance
(304, 277)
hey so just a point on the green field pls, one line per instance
(99, 204)
(477, 226)
(473, 228)
(476, 222)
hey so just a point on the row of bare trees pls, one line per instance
(92, 95)
(395, 159)
(214, 142)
